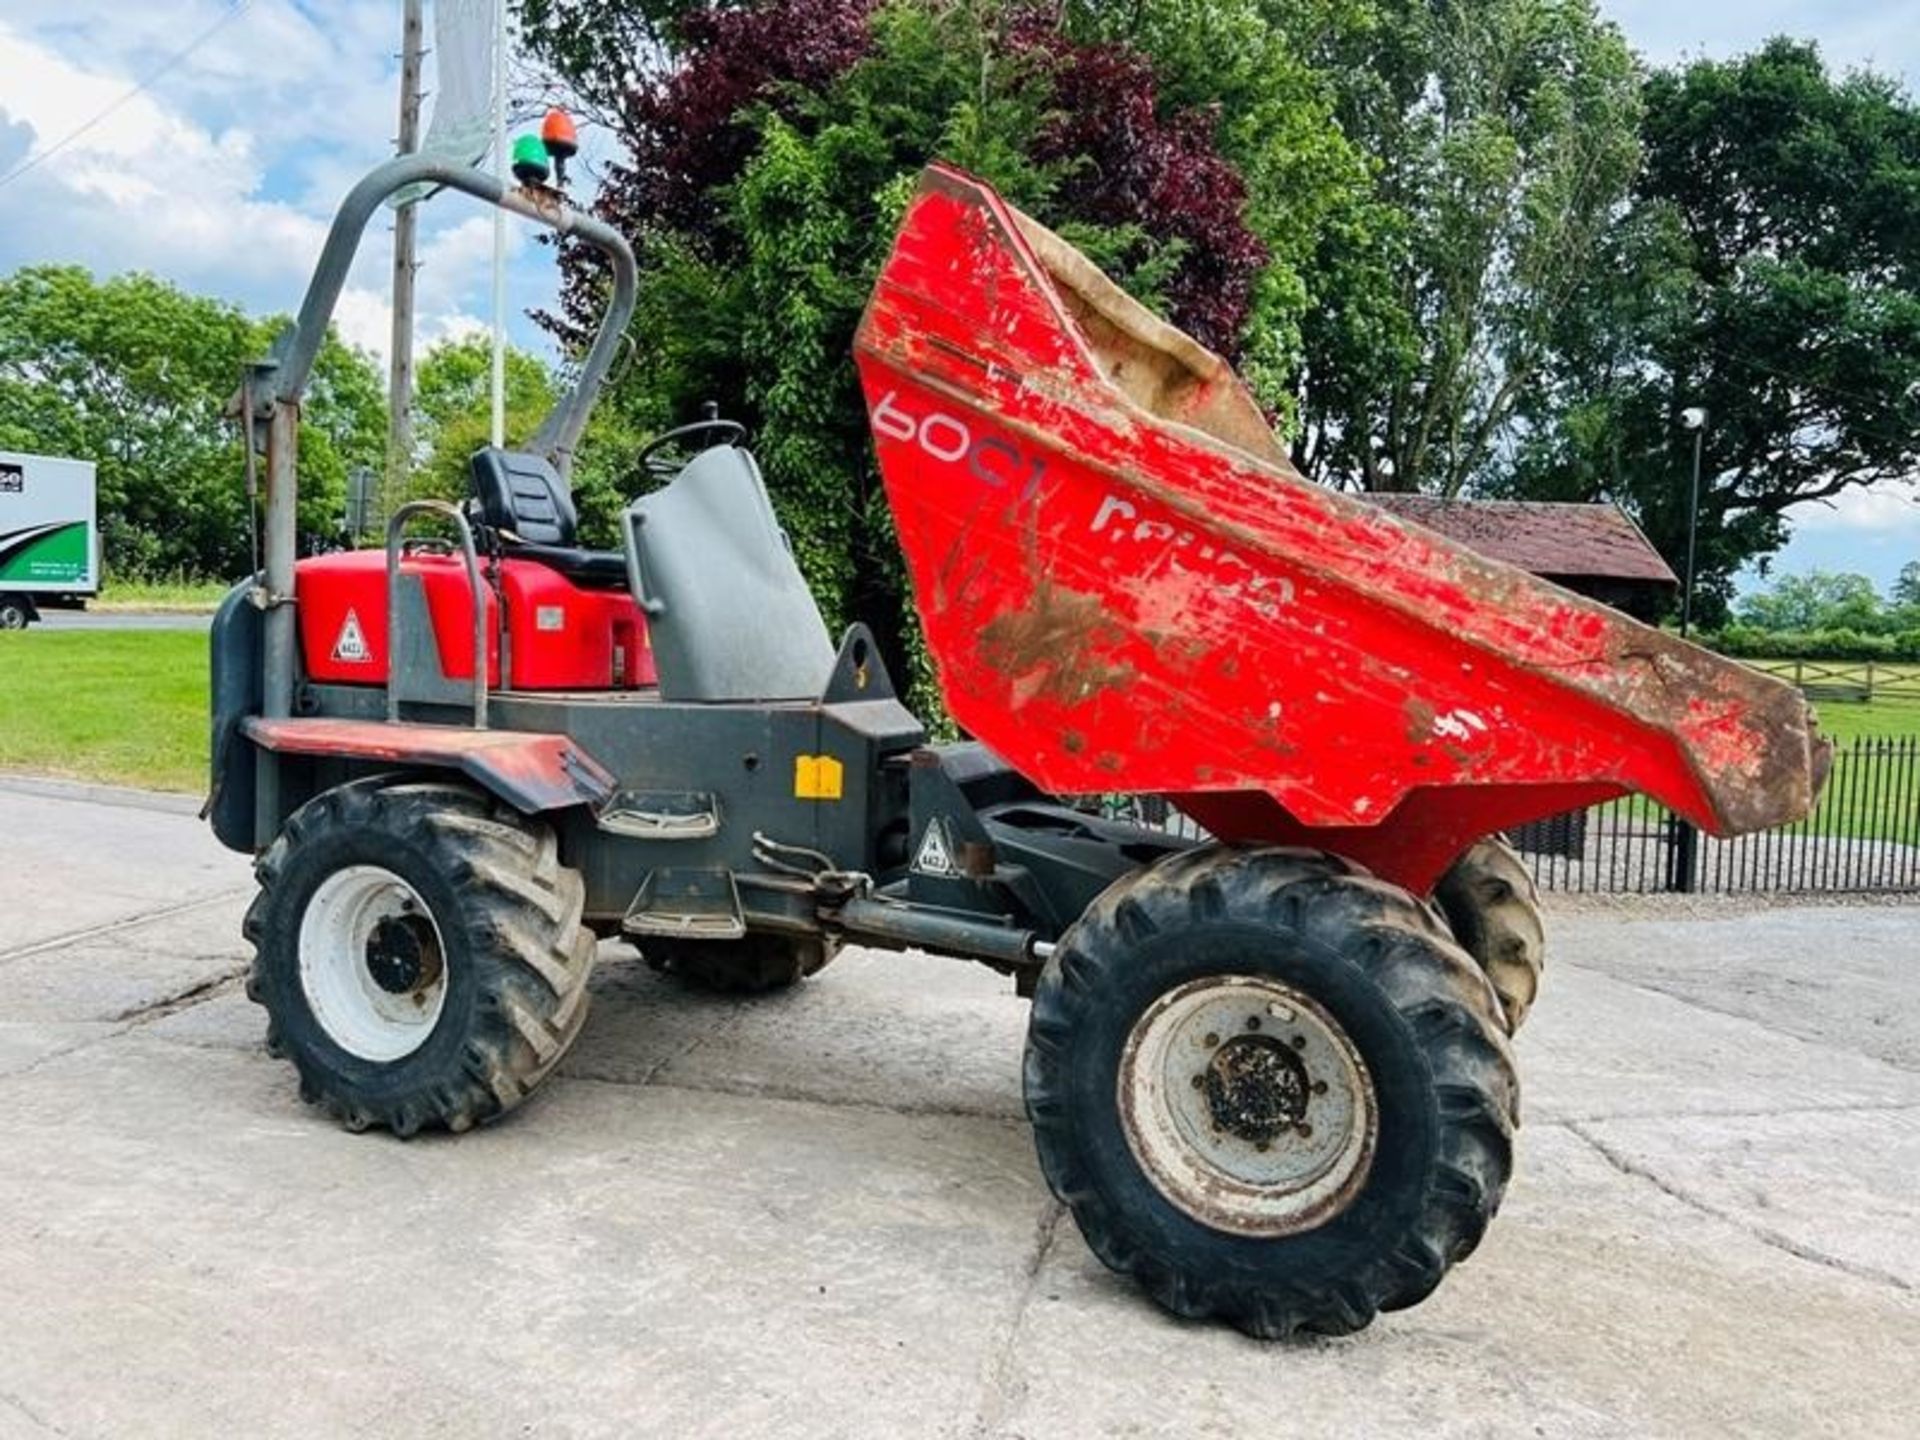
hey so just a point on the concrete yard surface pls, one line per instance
(819, 1214)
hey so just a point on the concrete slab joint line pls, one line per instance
(1863, 1107)
(20, 1407)
(996, 1395)
(198, 993)
(1766, 1236)
(131, 922)
(1729, 1013)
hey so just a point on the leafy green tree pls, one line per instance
(1769, 273)
(1503, 138)
(601, 50)
(1903, 602)
(1819, 600)
(1255, 64)
(455, 381)
(135, 375)
(453, 397)
(605, 478)
(453, 405)
(1906, 588)
(770, 150)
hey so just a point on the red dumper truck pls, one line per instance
(1267, 1065)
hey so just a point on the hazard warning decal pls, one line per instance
(351, 646)
(935, 855)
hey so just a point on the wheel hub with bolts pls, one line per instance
(403, 954)
(1247, 1105)
(1257, 1088)
(371, 963)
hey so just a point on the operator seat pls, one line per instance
(523, 501)
(729, 617)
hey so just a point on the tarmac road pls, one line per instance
(122, 620)
(819, 1214)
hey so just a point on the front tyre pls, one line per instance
(419, 953)
(1272, 1089)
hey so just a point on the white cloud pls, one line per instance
(461, 255)
(454, 280)
(364, 319)
(147, 187)
(1891, 506)
(1871, 532)
(282, 69)
(223, 175)
(1851, 33)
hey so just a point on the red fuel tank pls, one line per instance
(561, 636)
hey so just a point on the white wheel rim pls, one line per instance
(371, 963)
(1247, 1106)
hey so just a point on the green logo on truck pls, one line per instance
(45, 554)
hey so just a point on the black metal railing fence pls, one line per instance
(1863, 836)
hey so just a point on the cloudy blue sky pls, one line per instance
(222, 174)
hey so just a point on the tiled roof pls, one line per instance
(1595, 541)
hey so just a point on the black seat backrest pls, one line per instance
(523, 496)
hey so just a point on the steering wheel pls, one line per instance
(665, 454)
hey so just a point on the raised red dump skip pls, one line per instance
(1126, 587)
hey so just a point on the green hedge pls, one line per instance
(1749, 643)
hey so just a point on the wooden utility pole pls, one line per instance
(400, 363)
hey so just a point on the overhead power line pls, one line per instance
(157, 73)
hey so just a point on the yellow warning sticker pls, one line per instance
(817, 777)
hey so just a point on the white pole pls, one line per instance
(500, 224)
(405, 223)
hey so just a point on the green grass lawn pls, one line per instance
(130, 707)
(1883, 719)
(123, 707)
(194, 596)
(1868, 796)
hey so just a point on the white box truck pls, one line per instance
(49, 535)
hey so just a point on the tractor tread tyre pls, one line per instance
(517, 955)
(1421, 1014)
(752, 965)
(1493, 906)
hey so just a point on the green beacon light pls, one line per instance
(530, 160)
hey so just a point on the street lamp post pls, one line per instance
(1683, 841)
(1695, 419)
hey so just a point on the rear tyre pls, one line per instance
(419, 953)
(15, 614)
(1493, 907)
(1271, 1089)
(751, 965)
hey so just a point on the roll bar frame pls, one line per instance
(273, 389)
(299, 344)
